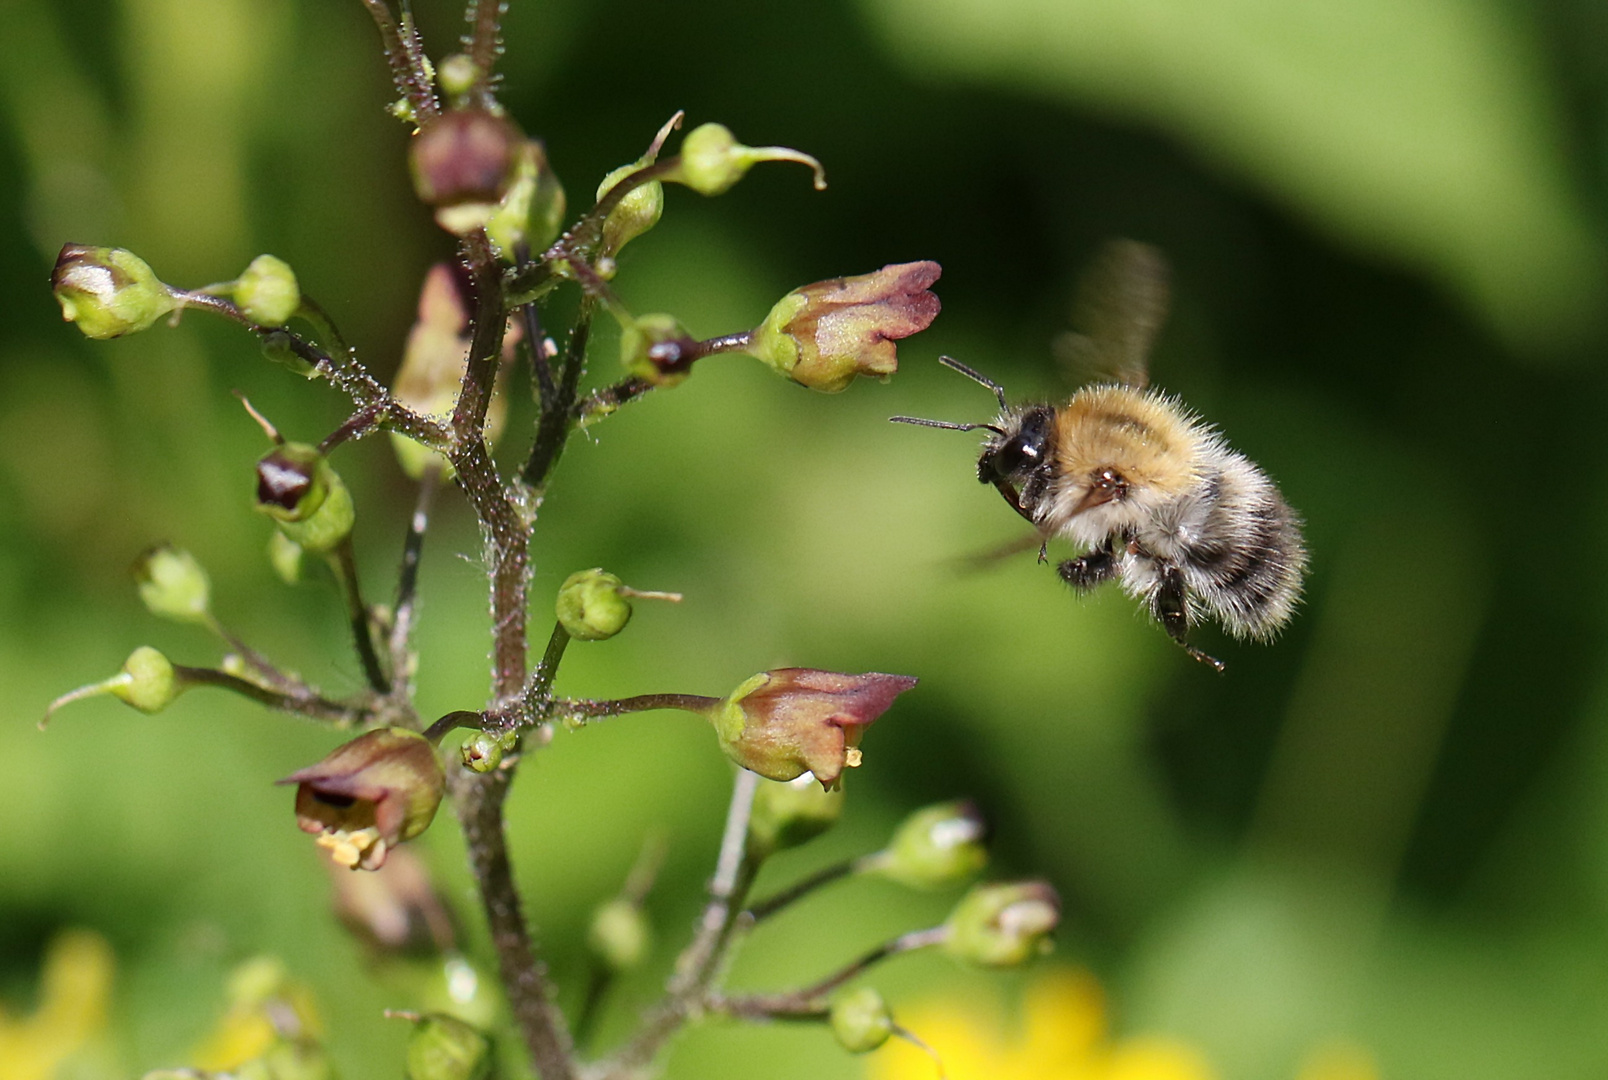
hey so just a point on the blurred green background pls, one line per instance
(1385, 219)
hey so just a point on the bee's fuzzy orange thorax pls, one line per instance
(1145, 435)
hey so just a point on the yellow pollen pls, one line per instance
(852, 758)
(348, 848)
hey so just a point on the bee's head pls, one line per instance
(1018, 448)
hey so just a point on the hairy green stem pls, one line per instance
(404, 54)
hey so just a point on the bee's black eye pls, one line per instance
(1021, 453)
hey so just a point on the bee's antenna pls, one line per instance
(944, 424)
(975, 376)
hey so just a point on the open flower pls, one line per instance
(784, 723)
(823, 335)
(369, 795)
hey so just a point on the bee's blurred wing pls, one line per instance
(983, 560)
(1119, 309)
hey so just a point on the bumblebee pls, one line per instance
(1154, 495)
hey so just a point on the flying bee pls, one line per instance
(1154, 495)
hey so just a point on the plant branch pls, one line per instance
(484, 41)
(584, 709)
(407, 583)
(305, 703)
(553, 429)
(478, 798)
(700, 962)
(403, 52)
(810, 1001)
(769, 906)
(344, 564)
(343, 370)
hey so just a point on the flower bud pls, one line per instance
(637, 212)
(783, 723)
(1003, 925)
(267, 292)
(823, 335)
(619, 936)
(443, 1047)
(860, 1020)
(484, 751)
(712, 160)
(108, 292)
(936, 847)
(297, 488)
(457, 75)
(592, 605)
(147, 681)
(533, 210)
(788, 814)
(657, 348)
(173, 585)
(433, 363)
(369, 795)
(463, 161)
(285, 556)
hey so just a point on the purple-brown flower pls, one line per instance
(784, 723)
(369, 795)
(823, 335)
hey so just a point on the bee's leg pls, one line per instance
(1087, 571)
(1170, 602)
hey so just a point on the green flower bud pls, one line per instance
(370, 795)
(657, 348)
(638, 212)
(445, 1048)
(267, 292)
(592, 605)
(712, 160)
(936, 847)
(457, 75)
(825, 334)
(297, 488)
(173, 585)
(484, 750)
(784, 723)
(151, 683)
(285, 556)
(619, 936)
(1003, 925)
(533, 210)
(789, 813)
(860, 1020)
(463, 162)
(147, 681)
(108, 292)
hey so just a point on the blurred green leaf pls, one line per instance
(1424, 130)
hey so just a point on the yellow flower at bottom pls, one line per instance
(1063, 1034)
(74, 988)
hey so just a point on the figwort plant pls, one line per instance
(792, 731)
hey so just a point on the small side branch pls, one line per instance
(403, 54)
(307, 703)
